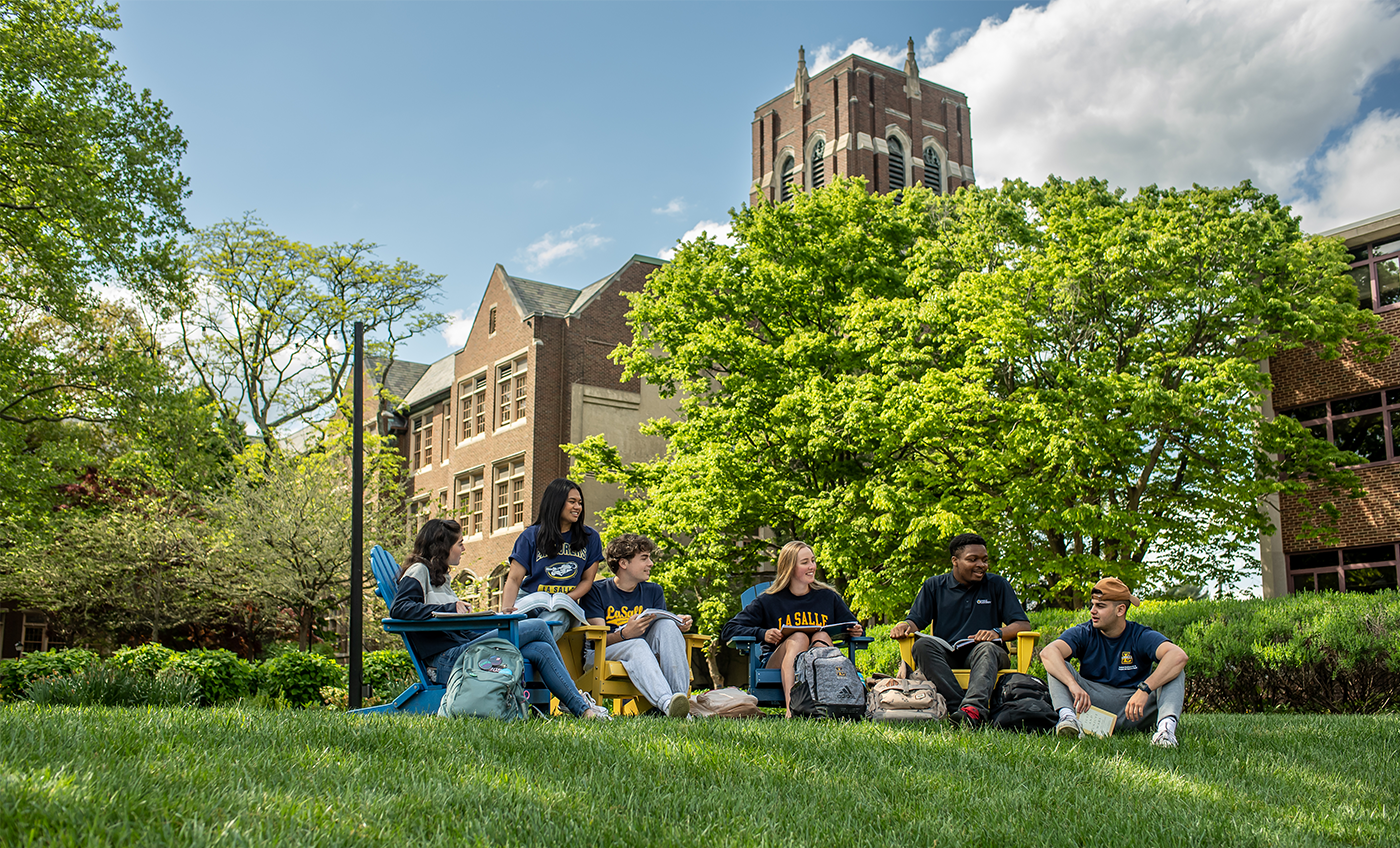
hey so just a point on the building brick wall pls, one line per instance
(1301, 377)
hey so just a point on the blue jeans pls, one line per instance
(537, 646)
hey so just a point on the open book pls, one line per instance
(542, 602)
(663, 614)
(963, 643)
(1097, 722)
(835, 628)
(456, 615)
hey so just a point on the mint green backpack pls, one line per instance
(486, 682)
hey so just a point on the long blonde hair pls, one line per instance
(787, 563)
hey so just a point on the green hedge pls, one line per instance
(17, 675)
(1309, 652)
(297, 677)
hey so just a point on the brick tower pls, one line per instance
(861, 118)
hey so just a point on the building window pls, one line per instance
(818, 163)
(491, 322)
(423, 440)
(510, 390)
(510, 493)
(417, 513)
(36, 636)
(471, 490)
(896, 164)
(1365, 424)
(933, 171)
(446, 430)
(418, 442)
(472, 393)
(1376, 270)
(1358, 569)
(442, 503)
(784, 187)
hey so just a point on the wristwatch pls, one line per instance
(1143, 687)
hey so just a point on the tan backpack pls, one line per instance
(905, 699)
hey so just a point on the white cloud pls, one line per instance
(551, 247)
(457, 328)
(1358, 177)
(722, 233)
(675, 207)
(1172, 93)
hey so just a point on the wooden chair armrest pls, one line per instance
(1025, 649)
(906, 649)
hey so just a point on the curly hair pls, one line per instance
(961, 541)
(627, 546)
(432, 547)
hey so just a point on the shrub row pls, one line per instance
(1309, 652)
(154, 674)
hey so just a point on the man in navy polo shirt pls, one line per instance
(1115, 669)
(965, 603)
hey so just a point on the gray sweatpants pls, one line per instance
(1166, 701)
(656, 662)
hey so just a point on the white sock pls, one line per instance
(1067, 713)
(1168, 723)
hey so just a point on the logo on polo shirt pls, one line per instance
(984, 600)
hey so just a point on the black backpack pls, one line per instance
(1022, 702)
(827, 685)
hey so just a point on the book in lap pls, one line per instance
(663, 614)
(544, 602)
(835, 629)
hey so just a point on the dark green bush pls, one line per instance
(110, 686)
(222, 675)
(148, 659)
(388, 673)
(298, 676)
(17, 675)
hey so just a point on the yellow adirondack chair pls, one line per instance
(1022, 652)
(607, 678)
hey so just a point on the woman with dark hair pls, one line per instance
(558, 553)
(424, 588)
(790, 616)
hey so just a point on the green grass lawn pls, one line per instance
(150, 777)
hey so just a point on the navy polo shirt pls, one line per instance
(1122, 662)
(957, 611)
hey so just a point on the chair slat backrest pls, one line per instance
(386, 572)
(751, 594)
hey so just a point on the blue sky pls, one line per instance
(559, 139)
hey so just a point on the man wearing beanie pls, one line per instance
(1115, 669)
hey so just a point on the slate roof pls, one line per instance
(538, 298)
(436, 378)
(401, 376)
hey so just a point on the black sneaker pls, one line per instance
(967, 717)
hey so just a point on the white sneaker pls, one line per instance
(1165, 737)
(1069, 728)
(679, 706)
(594, 711)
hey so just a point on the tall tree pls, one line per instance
(1073, 372)
(272, 324)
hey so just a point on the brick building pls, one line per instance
(1356, 406)
(859, 118)
(482, 428)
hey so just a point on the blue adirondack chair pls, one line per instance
(425, 696)
(766, 684)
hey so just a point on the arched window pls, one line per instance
(818, 163)
(896, 164)
(784, 192)
(933, 171)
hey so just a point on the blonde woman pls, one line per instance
(788, 617)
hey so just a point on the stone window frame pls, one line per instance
(818, 136)
(512, 390)
(472, 391)
(786, 175)
(470, 487)
(511, 498)
(893, 131)
(942, 155)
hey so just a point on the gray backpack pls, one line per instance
(827, 685)
(486, 681)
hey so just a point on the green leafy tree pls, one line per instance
(1071, 372)
(285, 525)
(271, 328)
